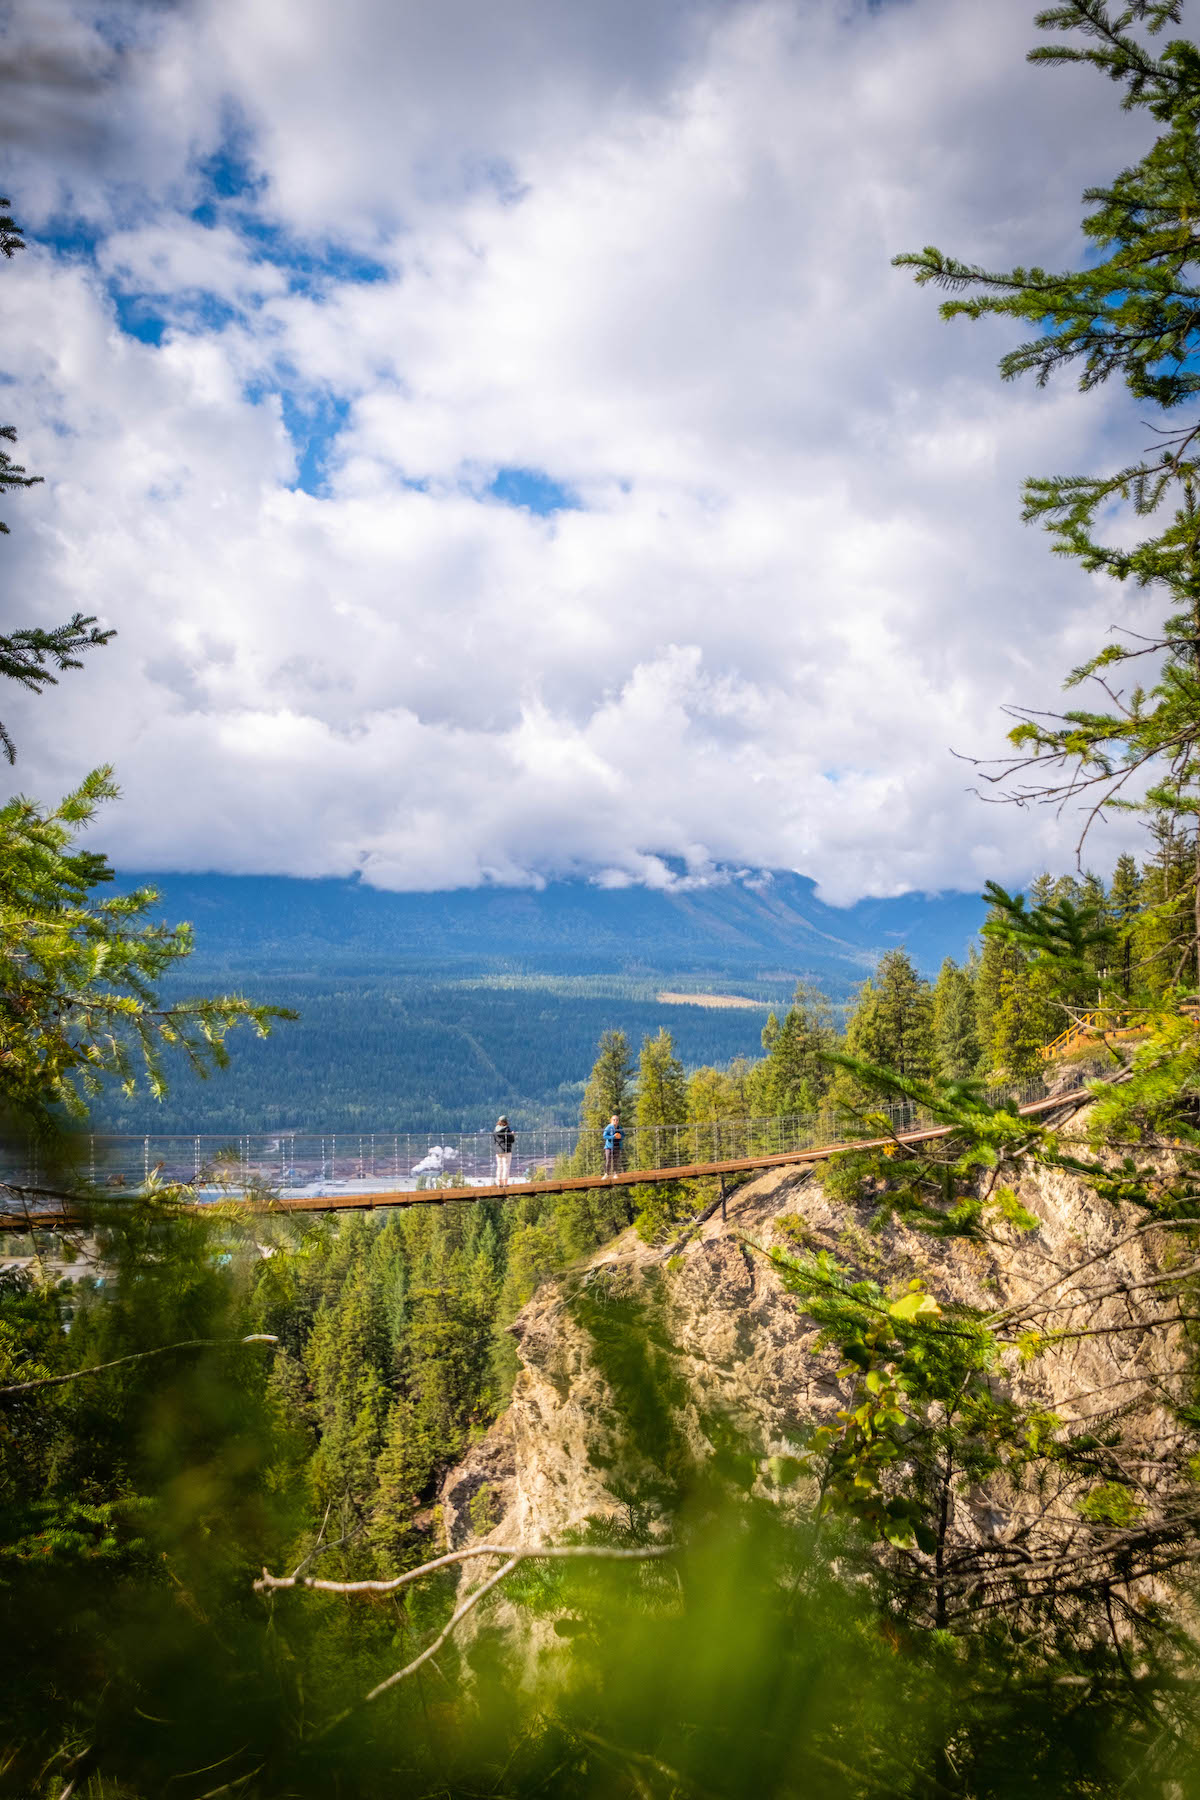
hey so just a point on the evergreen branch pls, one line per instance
(26, 654)
(31, 655)
(10, 232)
(12, 474)
(1157, 83)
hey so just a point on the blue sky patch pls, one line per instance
(228, 174)
(532, 489)
(138, 319)
(148, 316)
(231, 186)
(313, 422)
(309, 267)
(67, 237)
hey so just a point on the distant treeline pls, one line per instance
(413, 1055)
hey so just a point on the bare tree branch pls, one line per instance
(516, 1554)
(454, 1620)
(45, 1381)
(557, 1552)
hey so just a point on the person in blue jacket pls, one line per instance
(612, 1145)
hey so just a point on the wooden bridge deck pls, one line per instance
(49, 1218)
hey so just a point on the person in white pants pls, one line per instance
(504, 1137)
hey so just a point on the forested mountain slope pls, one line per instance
(433, 1010)
(767, 923)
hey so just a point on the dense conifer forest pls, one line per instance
(417, 1054)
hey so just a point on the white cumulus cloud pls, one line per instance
(304, 281)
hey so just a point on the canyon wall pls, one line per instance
(737, 1347)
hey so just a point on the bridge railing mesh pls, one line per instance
(314, 1162)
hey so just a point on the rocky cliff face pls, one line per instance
(743, 1350)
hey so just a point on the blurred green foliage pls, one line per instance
(756, 1660)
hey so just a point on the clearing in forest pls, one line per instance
(668, 999)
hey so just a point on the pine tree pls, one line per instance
(661, 1119)
(1124, 905)
(1165, 945)
(955, 1038)
(350, 1368)
(609, 1090)
(1043, 965)
(1124, 896)
(1092, 891)
(449, 1364)
(1015, 1013)
(582, 1221)
(720, 1102)
(403, 1472)
(1093, 902)
(1027, 1017)
(78, 973)
(795, 1077)
(661, 1102)
(535, 1252)
(892, 1023)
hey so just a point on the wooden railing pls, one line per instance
(1104, 1025)
(1093, 1025)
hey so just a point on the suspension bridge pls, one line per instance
(290, 1173)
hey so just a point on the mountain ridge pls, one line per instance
(769, 923)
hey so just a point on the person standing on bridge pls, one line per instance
(504, 1137)
(613, 1136)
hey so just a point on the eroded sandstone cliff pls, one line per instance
(741, 1349)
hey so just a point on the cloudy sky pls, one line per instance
(504, 448)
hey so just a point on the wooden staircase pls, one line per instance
(1105, 1026)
